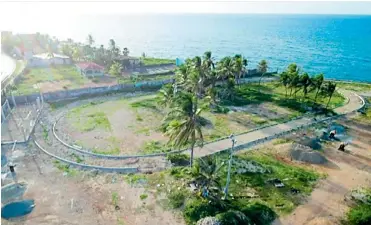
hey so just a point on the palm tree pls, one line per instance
(90, 40)
(166, 94)
(238, 67)
(50, 51)
(285, 80)
(317, 83)
(206, 173)
(262, 68)
(125, 51)
(185, 125)
(305, 82)
(112, 45)
(329, 89)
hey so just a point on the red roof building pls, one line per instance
(90, 69)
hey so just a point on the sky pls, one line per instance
(17, 16)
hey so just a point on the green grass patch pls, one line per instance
(143, 196)
(65, 168)
(365, 117)
(86, 118)
(145, 130)
(150, 103)
(114, 198)
(279, 141)
(34, 76)
(156, 61)
(356, 86)
(77, 158)
(110, 151)
(151, 147)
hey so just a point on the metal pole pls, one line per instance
(229, 166)
(14, 103)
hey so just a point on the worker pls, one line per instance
(342, 147)
(332, 134)
(12, 172)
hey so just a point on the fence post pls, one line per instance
(3, 114)
(13, 99)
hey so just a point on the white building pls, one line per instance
(47, 59)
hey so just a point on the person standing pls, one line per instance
(12, 172)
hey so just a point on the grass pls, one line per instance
(32, 76)
(156, 61)
(279, 141)
(65, 168)
(142, 78)
(143, 196)
(356, 86)
(114, 198)
(152, 147)
(365, 117)
(109, 151)
(87, 118)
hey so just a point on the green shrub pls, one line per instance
(178, 159)
(259, 214)
(176, 198)
(359, 215)
(197, 209)
(220, 109)
(232, 217)
(143, 196)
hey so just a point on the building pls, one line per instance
(90, 69)
(128, 63)
(47, 59)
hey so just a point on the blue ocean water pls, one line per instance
(337, 45)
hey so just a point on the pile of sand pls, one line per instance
(305, 154)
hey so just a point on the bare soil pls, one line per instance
(84, 198)
(345, 171)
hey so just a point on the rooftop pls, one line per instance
(47, 56)
(89, 65)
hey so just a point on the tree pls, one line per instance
(262, 68)
(305, 82)
(317, 83)
(206, 173)
(285, 80)
(67, 50)
(239, 67)
(90, 40)
(77, 53)
(125, 51)
(329, 89)
(185, 125)
(166, 94)
(115, 69)
(112, 45)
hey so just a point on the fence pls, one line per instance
(18, 120)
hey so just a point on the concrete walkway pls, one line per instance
(354, 103)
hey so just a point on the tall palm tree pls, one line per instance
(317, 83)
(185, 125)
(112, 45)
(90, 40)
(125, 51)
(305, 82)
(238, 67)
(166, 94)
(329, 89)
(262, 68)
(285, 80)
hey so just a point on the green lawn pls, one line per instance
(356, 86)
(156, 61)
(125, 80)
(33, 76)
(275, 93)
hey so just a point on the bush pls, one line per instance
(143, 196)
(359, 215)
(196, 209)
(259, 214)
(232, 217)
(178, 159)
(176, 198)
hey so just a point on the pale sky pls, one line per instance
(15, 15)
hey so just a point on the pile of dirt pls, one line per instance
(306, 154)
(314, 143)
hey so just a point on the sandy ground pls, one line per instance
(85, 198)
(347, 171)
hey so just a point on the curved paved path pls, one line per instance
(354, 103)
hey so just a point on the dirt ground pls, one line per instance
(345, 171)
(84, 198)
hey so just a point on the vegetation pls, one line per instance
(365, 116)
(143, 196)
(354, 86)
(115, 69)
(90, 120)
(155, 61)
(360, 214)
(178, 159)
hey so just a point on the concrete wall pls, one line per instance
(92, 91)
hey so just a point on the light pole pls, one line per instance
(234, 141)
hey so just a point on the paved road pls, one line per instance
(353, 104)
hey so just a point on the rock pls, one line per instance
(208, 221)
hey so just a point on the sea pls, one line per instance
(337, 45)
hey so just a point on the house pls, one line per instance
(90, 69)
(128, 63)
(47, 59)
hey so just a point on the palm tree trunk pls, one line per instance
(315, 98)
(261, 78)
(329, 101)
(192, 147)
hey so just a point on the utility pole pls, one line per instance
(234, 141)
